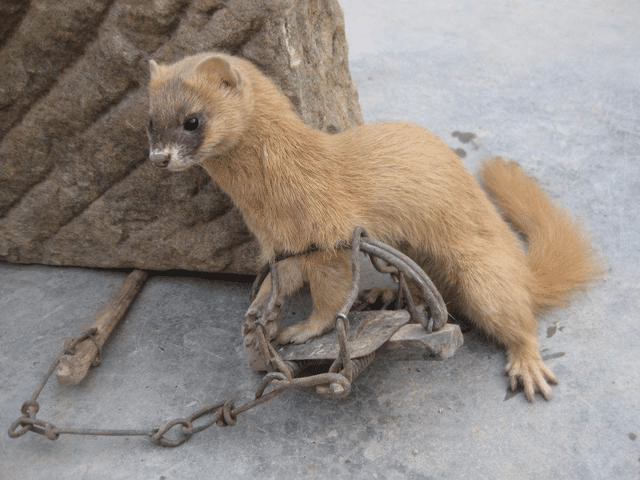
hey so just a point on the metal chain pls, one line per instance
(223, 413)
(336, 383)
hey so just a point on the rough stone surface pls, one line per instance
(75, 188)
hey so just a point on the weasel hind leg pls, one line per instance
(379, 298)
(504, 310)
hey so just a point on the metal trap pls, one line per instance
(416, 328)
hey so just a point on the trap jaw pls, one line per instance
(413, 330)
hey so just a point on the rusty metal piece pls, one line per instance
(80, 353)
(335, 391)
(437, 310)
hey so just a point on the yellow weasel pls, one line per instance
(298, 187)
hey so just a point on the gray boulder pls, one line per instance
(75, 184)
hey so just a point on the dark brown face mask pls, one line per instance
(174, 129)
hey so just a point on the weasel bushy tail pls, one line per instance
(560, 255)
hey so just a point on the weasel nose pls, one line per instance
(160, 159)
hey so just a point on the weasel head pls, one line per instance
(198, 109)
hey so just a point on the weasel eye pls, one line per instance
(191, 124)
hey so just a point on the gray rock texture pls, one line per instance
(75, 186)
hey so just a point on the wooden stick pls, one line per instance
(73, 366)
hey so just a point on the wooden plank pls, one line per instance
(412, 342)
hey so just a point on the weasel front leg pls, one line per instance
(329, 277)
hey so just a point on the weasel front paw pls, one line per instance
(303, 331)
(530, 372)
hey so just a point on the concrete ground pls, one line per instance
(554, 85)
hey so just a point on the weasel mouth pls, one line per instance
(172, 158)
(160, 159)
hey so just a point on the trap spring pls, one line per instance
(348, 353)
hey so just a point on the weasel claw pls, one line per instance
(532, 375)
(302, 332)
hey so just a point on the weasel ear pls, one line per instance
(154, 68)
(220, 68)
